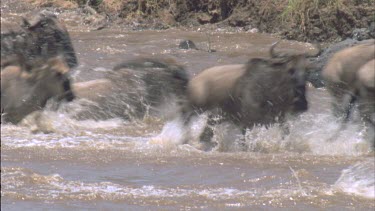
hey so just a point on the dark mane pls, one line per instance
(44, 37)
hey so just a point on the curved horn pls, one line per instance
(272, 49)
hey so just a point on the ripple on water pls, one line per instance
(25, 184)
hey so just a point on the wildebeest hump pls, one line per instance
(214, 85)
(343, 65)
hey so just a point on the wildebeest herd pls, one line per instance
(36, 61)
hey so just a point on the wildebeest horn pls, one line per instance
(272, 49)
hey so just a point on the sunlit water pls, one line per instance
(54, 161)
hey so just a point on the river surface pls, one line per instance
(142, 165)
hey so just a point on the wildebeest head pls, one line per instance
(23, 92)
(297, 67)
(50, 79)
(50, 37)
(278, 84)
(300, 67)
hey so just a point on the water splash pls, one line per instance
(306, 135)
(358, 179)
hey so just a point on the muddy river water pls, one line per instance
(120, 165)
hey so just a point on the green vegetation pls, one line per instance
(303, 20)
(298, 11)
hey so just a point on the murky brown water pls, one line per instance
(115, 164)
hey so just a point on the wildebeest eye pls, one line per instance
(59, 75)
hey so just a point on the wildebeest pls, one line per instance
(315, 74)
(133, 89)
(25, 91)
(44, 37)
(263, 91)
(341, 76)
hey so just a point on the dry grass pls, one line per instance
(66, 4)
(298, 11)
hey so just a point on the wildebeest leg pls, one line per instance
(187, 114)
(343, 106)
(366, 107)
(285, 129)
(348, 101)
(68, 95)
(242, 140)
(349, 106)
(208, 132)
(370, 132)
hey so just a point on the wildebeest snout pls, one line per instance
(300, 102)
(68, 92)
(299, 80)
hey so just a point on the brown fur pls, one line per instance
(262, 91)
(341, 74)
(212, 86)
(343, 65)
(93, 90)
(23, 92)
(133, 89)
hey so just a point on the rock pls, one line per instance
(254, 30)
(361, 34)
(372, 30)
(187, 44)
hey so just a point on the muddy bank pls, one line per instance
(302, 20)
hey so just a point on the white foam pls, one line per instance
(174, 132)
(358, 179)
(171, 134)
(54, 187)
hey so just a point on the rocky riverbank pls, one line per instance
(302, 20)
